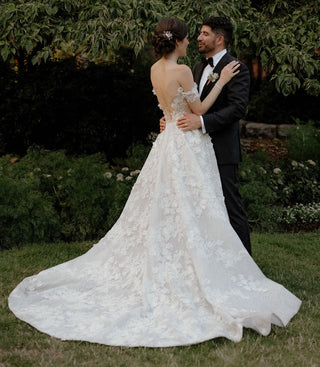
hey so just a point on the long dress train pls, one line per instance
(171, 271)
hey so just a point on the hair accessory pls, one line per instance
(168, 34)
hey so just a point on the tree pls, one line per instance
(283, 35)
(286, 38)
(97, 27)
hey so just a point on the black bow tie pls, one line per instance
(208, 61)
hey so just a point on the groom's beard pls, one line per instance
(205, 49)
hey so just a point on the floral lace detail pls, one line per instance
(180, 102)
(183, 98)
(171, 271)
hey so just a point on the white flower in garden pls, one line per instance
(128, 178)
(60, 178)
(263, 170)
(125, 169)
(135, 173)
(310, 161)
(301, 165)
(294, 163)
(119, 177)
(69, 171)
(107, 175)
(37, 169)
(277, 170)
(45, 175)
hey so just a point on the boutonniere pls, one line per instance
(213, 77)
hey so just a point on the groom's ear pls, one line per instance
(220, 39)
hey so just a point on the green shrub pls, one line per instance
(298, 182)
(83, 197)
(121, 192)
(267, 185)
(257, 195)
(136, 155)
(47, 196)
(304, 142)
(72, 195)
(26, 213)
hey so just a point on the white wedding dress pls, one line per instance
(171, 271)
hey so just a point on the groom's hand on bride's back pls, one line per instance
(162, 124)
(188, 122)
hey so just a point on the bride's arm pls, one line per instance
(198, 107)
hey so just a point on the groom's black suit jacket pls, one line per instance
(222, 119)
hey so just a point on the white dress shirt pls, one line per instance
(206, 72)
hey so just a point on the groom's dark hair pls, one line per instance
(221, 26)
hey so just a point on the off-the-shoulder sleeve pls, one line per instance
(192, 94)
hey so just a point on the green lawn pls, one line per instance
(291, 259)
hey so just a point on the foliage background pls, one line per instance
(74, 75)
(283, 34)
(70, 76)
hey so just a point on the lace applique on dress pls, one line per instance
(180, 102)
(191, 95)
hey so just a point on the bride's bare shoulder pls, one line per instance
(184, 76)
(177, 67)
(180, 72)
(183, 68)
(155, 66)
(184, 71)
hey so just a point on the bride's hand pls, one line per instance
(229, 71)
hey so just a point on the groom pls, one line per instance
(221, 121)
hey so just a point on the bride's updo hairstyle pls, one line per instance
(167, 31)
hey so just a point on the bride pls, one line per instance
(171, 271)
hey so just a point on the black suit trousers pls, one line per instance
(238, 219)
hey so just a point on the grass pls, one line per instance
(290, 259)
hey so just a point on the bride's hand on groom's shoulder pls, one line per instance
(162, 124)
(229, 71)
